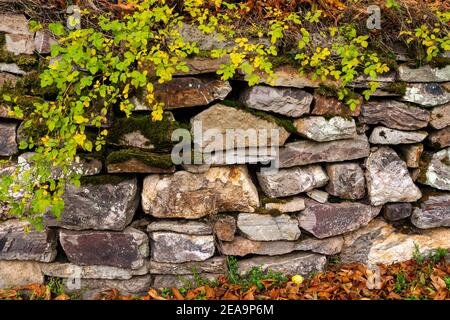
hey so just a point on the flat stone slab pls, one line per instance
(14, 274)
(181, 226)
(434, 211)
(383, 135)
(322, 129)
(264, 227)
(294, 204)
(216, 265)
(181, 281)
(426, 94)
(424, 74)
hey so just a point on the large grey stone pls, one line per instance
(264, 227)
(181, 226)
(330, 219)
(192, 196)
(286, 101)
(388, 178)
(216, 265)
(426, 94)
(291, 181)
(19, 43)
(383, 135)
(307, 152)
(127, 249)
(8, 144)
(436, 170)
(440, 116)
(11, 68)
(424, 74)
(289, 264)
(14, 274)
(394, 114)
(434, 211)
(321, 129)
(104, 205)
(176, 247)
(18, 244)
(346, 180)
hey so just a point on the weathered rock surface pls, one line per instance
(286, 101)
(240, 156)
(224, 227)
(292, 205)
(383, 135)
(440, 116)
(321, 129)
(288, 182)
(397, 211)
(388, 179)
(424, 74)
(307, 152)
(289, 264)
(7, 78)
(331, 106)
(137, 165)
(192, 196)
(180, 226)
(216, 265)
(43, 40)
(346, 180)
(411, 154)
(8, 144)
(394, 114)
(379, 242)
(11, 68)
(434, 212)
(105, 205)
(127, 249)
(219, 119)
(264, 227)
(14, 24)
(201, 65)
(330, 219)
(176, 247)
(180, 281)
(17, 244)
(440, 139)
(19, 43)
(318, 195)
(19, 273)
(426, 94)
(436, 170)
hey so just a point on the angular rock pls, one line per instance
(436, 170)
(440, 139)
(181, 226)
(394, 114)
(318, 195)
(201, 65)
(411, 154)
(181, 281)
(288, 76)
(216, 265)
(440, 116)
(127, 249)
(292, 181)
(331, 106)
(19, 44)
(190, 92)
(383, 135)
(292, 205)
(328, 246)
(19, 273)
(286, 101)
(8, 144)
(424, 74)
(219, 119)
(100, 205)
(426, 94)
(89, 289)
(346, 181)
(321, 129)
(176, 247)
(397, 211)
(379, 242)
(434, 212)
(307, 152)
(43, 41)
(224, 227)
(17, 244)
(11, 68)
(388, 178)
(290, 264)
(70, 270)
(264, 227)
(240, 156)
(331, 219)
(192, 196)
(136, 161)
(14, 24)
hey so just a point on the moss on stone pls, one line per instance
(103, 179)
(150, 159)
(398, 88)
(440, 62)
(272, 212)
(265, 200)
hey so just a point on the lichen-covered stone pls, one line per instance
(224, 227)
(388, 179)
(294, 204)
(424, 74)
(330, 219)
(8, 144)
(426, 94)
(346, 180)
(216, 265)
(127, 249)
(440, 139)
(19, 44)
(264, 227)
(136, 161)
(307, 152)
(286, 101)
(192, 196)
(331, 106)
(411, 154)
(397, 211)
(181, 226)
(321, 129)
(440, 116)
(436, 170)
(434, 211)
(292, 181)
(176, 247)
(17, 244)
(394, 114)
(15, 274)
(383, 135)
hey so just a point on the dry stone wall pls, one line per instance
(366, 184)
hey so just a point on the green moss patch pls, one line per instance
(398, 88)
(151, 159)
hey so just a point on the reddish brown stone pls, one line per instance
(440, 139)
(225, 228)
(331, 106)
(397, 211)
